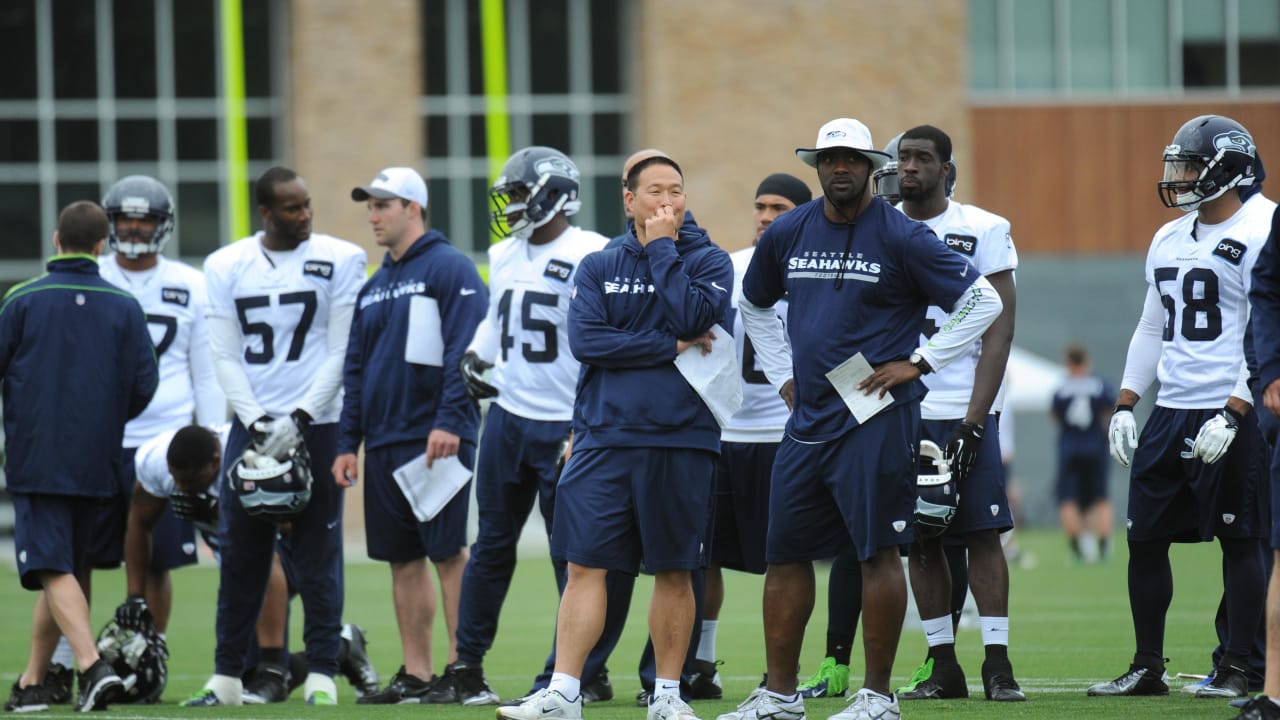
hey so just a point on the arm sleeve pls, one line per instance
(328, 380)
(971, 315)
(1264, 297)
(459, 316)
(211, 404)
(768, 337)
(593, 340)
(485, 342)
(1145, 346)
(694, 295)
(350, 421)
(224, 342)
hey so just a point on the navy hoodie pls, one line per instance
(387, 400)
(630, 305)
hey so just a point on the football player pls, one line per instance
(280, 305)
(1197, 466)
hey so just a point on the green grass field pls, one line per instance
(1070, 627)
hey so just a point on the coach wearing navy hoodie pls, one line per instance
(639, 482)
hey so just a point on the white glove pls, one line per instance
(1215, 436)
(276, 438)
(1124, 435)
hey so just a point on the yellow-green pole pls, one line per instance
(233, 123)
(497, 123)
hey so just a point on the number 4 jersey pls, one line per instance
(525, 333)
(281, 302)
(1202, 275)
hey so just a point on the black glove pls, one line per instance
(201, 507)
(962, 449)
(133, 614)
(473, 368)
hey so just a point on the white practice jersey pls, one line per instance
(526, 331)
(173, 296)
(763, 414)
(281, 302)
(152, 462)
(982, 238)
(1202, 274)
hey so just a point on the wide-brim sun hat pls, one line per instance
(844, 133)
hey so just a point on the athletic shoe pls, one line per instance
(355, 664)
(946, 681)
(461, 683)
(1191, 688)
(921, 674)
(543, 705)
(704, 681)
(403, 688)
(202, 698)
(642, 697)
(269, 683)
(32, 698)
(868, 704)
(298, 670)
(598, 690)
(1139, 680)
(998, 682)
(670, 707)
(764, 705)
(320, 697)
(1259, 708)
(831, 680)
(99, 687)
(1228, 681)
(58, 679)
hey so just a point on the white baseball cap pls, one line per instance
(394, 182)
(844, 133)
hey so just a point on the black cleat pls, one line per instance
(99, 687)
(1228, 681)
(642, 697)
(1259, 708)
(1139, 680)
(403, 688)
(945, 682)
(599, 689)
(355, 664)
(298, 671)
(32, 698)
(998, 682)
(58, 680)
(461, 683)
(704, 681)
(269, 683)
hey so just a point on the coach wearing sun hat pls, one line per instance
(858, 276)
(403, 395)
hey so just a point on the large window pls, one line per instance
(566, 89)
(98, 89)
(1091, 47)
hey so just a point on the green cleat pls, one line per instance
(922, 673)
(831, 680)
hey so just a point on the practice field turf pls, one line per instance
(1070, 627)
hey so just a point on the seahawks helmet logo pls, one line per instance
(555, 166)
(1234, 140)
(835, 134)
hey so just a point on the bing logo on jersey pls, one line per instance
(1230, 250)
(963, 244)
(559, 269)
(177, 296)
(319, 268)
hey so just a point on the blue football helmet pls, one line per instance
(536, 183)
(1215, 152)
(276, 490)
(138, 196)
(937, 493)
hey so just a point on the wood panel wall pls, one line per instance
(1082, 178)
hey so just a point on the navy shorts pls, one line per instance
(1174, 497)
(983, 504)
(742, 505)
(860, 487)
(53, 533)
(615, 506)
(392, 532)
(173, 540)
(1082, 479)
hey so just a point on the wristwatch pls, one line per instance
(918, 362)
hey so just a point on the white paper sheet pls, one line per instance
(428, 490)
(716, 376)
(424, 343)
(845, 378)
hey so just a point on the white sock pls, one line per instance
(319, 683)
(567, 685)
(939, 631)
(230, 690)
(995, 630)
(62, 655)
(707, 645)
(663, 686)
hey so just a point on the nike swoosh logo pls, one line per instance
(935, 632)
(466, 291)
(717, 286)
(332, 525)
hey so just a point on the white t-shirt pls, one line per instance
(763, 414)
(526, 331)
(173, 296)
(151, 463)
